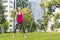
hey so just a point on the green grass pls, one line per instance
(31, 36)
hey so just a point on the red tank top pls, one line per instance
(19, 17)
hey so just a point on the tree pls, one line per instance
(13, 14)
(22, 3)
(50, 5)
(46, 14)
(46, 17)
(2, 19)
(6, 25)
(55, 17)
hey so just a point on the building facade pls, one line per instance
(37, 11)
(9, 6)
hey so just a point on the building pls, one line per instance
(37, 11)
(9, 6)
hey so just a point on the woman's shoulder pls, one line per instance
(18, 13)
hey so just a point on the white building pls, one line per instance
(37, 11)
(9, 6)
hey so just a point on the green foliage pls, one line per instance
(49, 5)
(45, 20)
(6, 23)
(22, 3)
(57, 25)
(13, 14)
(1, 7)
(58, 1)
(34, 27)
(2, 19)
(46, 15)
(27, 19)
(55, 17)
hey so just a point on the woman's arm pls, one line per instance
(27, 12)
(16, 18)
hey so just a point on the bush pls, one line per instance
(6, 25)
(27, 22)
(27, 19)
(25, 10)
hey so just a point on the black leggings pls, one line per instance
(21, 27)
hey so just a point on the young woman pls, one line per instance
(19, 20)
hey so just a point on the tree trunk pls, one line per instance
(45, 28)
(2, 29)
(54, 28)
(31, 25)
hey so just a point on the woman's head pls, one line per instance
(19, 9)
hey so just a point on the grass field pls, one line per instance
(31, 36)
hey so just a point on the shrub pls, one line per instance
(6, 23)
(27, 22)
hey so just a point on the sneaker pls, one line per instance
(25, 36)
(13, 35)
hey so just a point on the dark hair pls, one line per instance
(19, 7)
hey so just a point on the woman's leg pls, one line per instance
(22, 27)
(14, 30)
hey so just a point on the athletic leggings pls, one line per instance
(21, 27)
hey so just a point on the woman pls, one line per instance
(19, 20)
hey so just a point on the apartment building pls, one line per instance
(9, 6)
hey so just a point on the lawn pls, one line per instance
(31, 36)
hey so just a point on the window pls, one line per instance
(10, 20)
(5, 16)
(10, 25)
(11, 2)
(4, 1)
(11, 7)
(5, 6)
(6, 10)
